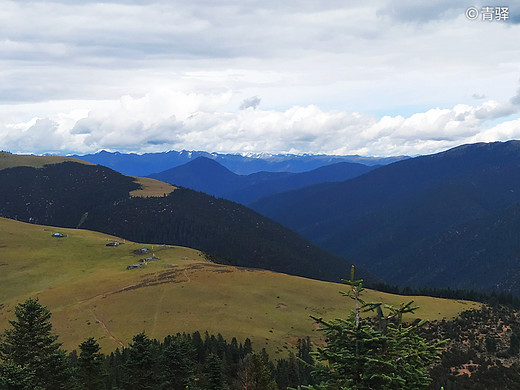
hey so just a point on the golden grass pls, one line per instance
(149, 187)
(152, 188)
(90, 293)
(8, 160)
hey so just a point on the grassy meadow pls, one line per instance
(90, 293)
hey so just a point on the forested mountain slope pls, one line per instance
(389, 218)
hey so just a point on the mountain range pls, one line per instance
(445, 220)
(207, 175)
(148, 163)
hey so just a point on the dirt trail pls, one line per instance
(106, 293)
(144, 283)
(104, 326)
(186, 274)
(157, 309)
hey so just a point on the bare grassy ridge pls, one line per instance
(90, 293)
(8, 160)
(152, 187)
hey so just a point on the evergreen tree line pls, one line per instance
(493, 298)
(32, 358)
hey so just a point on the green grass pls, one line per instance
(90, 293)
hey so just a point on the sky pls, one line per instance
(373, 78)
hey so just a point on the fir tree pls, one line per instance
(140, 367)
(180, 363)
(32, 346)
(248, 348)
(255, 374)
(14, 377)
(114, 364)
(214, 369)
(91, 371)
(374, 354)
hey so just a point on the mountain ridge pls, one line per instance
(209, 176)
(149, 163)
(374, 218)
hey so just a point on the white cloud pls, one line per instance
(376, 77)
(165, 119)
(251, 102)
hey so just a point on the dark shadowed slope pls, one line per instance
(376, 219)
(202, 174)
(485, 252)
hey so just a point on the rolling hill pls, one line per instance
(90, 292)
(207, 175)
(392, 220)
(72, 194)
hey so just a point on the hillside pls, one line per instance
(485, 250)
(207, 175)
(90, 293)
(95, 197)
(387, 219)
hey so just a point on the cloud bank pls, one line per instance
(373, 77)
(165, 120)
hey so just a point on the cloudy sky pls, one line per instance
(369, 77)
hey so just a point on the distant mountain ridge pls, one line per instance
(394, 219)
(207, 175)
(148, 163)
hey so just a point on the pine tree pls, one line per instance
(248, 347)
(179, 363)
(140, 367)
(114, 364)
(305, 360)
(14, 377)
(91, 371)
(214, 369)
(32, 346)
(255, 374)
(293, 371)
(381, 353)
